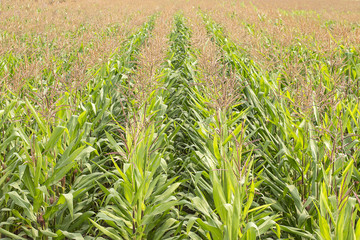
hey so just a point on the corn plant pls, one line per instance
(338, 213)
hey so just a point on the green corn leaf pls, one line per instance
(24, 204)
(68, 199)
(234, 133)
(324, 228)
(216, 148)
(68, 235)
(357, 230)
(48, 233)
(78, 222)
(54, 138)
(36, 116)
(105, 231)
(38, 164)
(9, 234)
(216, 233)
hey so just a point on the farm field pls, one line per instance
(180, 119)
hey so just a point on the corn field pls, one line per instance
(180, 119)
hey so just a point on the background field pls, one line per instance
(179, 119)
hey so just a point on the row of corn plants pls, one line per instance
(307, 163)
(216, 182)
(142, 201)
(50, 169)
(179, 80)
(222, 169)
